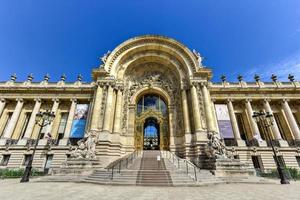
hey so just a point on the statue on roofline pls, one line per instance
(199, 57)
(104, 57)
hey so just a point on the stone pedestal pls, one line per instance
(240, 143)
(43, 142)
(78, 166)
(283, 143)
(225, 167)
(63, 142)
(22, 142)
(3, 142)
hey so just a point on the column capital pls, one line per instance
(37, 99)
(184, 87)
(285, 100)
(248, 100)
(213, 99)
(2, 100)
(119, 87)
(55, 100)
(229, 100)
(20, 99)
(267, 100)
(73, 100)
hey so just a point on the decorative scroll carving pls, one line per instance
(157, 76)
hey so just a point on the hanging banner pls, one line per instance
(224, 122)
(79, 121)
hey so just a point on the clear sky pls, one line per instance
(68, 36)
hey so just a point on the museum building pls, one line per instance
(149, 93)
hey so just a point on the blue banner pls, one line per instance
(79, 121)
(224, 122)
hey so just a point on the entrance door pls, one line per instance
(151, 134)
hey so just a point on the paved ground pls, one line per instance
(12, 189)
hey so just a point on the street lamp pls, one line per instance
(266, 120)
(42, 119)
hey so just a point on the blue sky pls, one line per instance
(236, 37)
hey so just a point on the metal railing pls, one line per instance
(182, 164)
(122, 163)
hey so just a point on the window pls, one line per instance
(26, 159)
(261, 130)
(43, 131)
(257, 162)
(48, 163)
(298, 160)
(24, 127)
(5, 160)
(62, 125)
(241, 125)
(278, 122)
(7, 121)
(151, 102)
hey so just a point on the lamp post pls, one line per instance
(42, 119)
(267, 120)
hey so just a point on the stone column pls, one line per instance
(196, 110)
(72, 110)
(234, 124)
(54, 110)
(274, 127)
(291, 120)
(118, 112)
(131, 119)
(108, 110)
(13, 120)
(171, 126)
(186, 118)
(97, 108)
(208, 111)
(2, 105)
(253, 124)
(31, 122)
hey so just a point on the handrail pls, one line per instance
(187, 164)
(120, 163)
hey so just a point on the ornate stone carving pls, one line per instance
(217, 146)
(86, 147)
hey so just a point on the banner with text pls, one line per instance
(79, 121)
(224, 122)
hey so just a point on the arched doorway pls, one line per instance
(151, 123)
(151, 134)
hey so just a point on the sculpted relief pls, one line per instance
(152, 75)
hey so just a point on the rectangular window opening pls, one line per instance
(5, 159)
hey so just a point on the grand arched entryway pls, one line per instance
(151, 123)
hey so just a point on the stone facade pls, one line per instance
(149, 65)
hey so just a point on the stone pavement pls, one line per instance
(12, 189)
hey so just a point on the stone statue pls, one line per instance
(104, 57)
(80, 151)
(86, 147)
(217, 146)
(198, 56)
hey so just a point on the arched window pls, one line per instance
(151, 101)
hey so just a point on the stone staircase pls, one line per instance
(144, 171)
